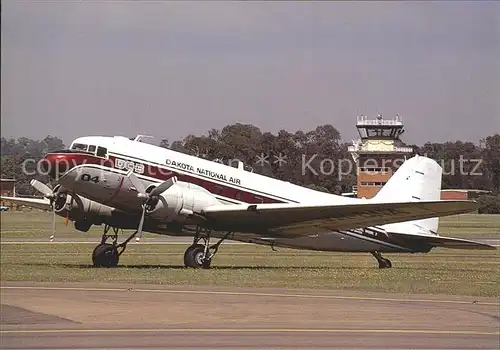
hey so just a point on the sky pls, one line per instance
(169, 69)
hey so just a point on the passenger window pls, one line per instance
(218, 189)
(239, 195)
(259, 199)
(101, 151)
(92, 148)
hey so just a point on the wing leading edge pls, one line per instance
(39, 203)
(296, 219)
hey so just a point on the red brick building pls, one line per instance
(462, 194)
(8, 187)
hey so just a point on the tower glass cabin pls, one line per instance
(377, 153)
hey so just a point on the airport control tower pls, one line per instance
(377, 153)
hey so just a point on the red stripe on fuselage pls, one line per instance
(66, 161)
(218, 189)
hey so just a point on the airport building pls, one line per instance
(8, 187)
(378, 152)
(463, 194)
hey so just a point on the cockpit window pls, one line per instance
(79, 147)
(92, 148)
(101, 151)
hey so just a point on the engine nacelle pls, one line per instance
(180, 201)
(85, 212)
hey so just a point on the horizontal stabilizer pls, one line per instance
(40, 203)
(444, 242)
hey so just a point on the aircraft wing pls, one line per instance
(40, 203)
(296, 220)
(445, 242)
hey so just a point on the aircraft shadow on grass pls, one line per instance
(180, 267)
(253, 267)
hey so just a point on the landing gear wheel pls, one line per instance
(200, 255)
(105, 255)
(195, 257)
(187, 254)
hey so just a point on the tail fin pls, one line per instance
(417, 179)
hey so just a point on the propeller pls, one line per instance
(149, 199)
(43, 188)
(51, 196)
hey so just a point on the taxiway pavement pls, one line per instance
(86, 316)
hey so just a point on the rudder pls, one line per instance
(417, 179)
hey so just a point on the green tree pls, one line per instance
(489, 204)
(20, 158)
(164, 143)
(491, 156)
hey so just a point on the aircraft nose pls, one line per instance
(55, 164)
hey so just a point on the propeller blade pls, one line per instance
(53, 224)
(141, 223)
(136, 182)
(43, 188)
(142, 193)
(163, 187)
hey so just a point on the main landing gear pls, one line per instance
(196, 256)
(383, 263)
(200, 255)
(108, 254)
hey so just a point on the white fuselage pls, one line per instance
(153, 158)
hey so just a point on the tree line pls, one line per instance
(16, 156)
(284, 155)
(465, 164)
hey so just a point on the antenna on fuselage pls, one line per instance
(139, 137)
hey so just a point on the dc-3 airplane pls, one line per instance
(124, 183)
